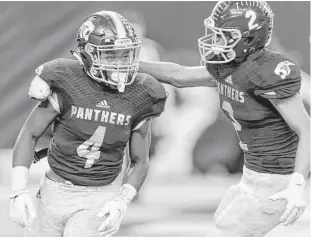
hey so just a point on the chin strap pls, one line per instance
(77, 56)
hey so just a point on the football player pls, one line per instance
(258, 91)
(97, 103)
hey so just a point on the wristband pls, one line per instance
(127, 192)
(19, 178)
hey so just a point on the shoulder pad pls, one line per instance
(279, 76)
(49, 71)
(158, 95)
(154, 88)
(55, 72)
(278, 66)
(151, 111)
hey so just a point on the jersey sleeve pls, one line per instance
(157, 94)
(280, 79)
(52, 73)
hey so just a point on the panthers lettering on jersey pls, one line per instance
(95, 124)
(267, 141)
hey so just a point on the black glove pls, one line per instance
(40, 154)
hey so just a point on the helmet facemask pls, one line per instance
(116, 64)
(218, 43)
(108, 48)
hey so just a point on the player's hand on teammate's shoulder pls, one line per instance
(294, 195)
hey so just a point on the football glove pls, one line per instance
(293, 194)
(22, 208)
(114, 210)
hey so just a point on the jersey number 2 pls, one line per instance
(90, 148)
(238, 128)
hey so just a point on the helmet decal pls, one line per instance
(234, 30)
(283, 69)
(220, 6)
(86, 29)
(129, 28)
(115, 17)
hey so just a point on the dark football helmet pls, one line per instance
(108, 48)
(234, 30)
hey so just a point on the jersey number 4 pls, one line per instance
(238, 128)
(90, 148)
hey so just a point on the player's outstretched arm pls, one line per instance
(295, 115)
(177, 75)
(139, 153)
(21, 207)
